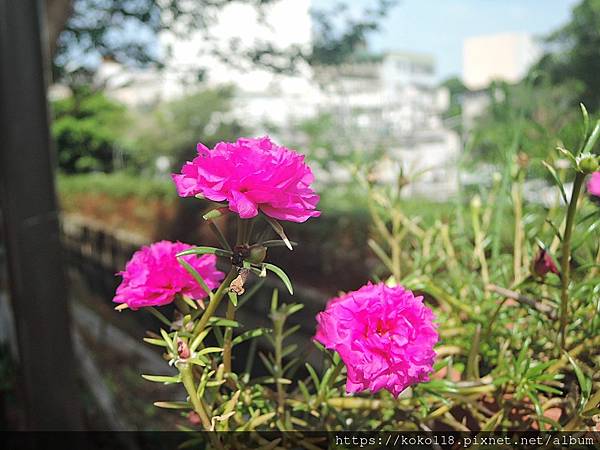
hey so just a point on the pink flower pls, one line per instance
(153, 276)
(252, 175)
(384, 335)
(594, 184)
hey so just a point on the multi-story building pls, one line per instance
(389, 100)
(393, 100)
(503, 57)
(497, 57)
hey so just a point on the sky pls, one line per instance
(438, 27)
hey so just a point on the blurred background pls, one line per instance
(425, 94)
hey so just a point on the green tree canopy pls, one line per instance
(538, 114)
(574, 52)
(173, 129)
(88, 129)
(82, 31)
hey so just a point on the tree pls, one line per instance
(453, 114)
(338, 35)
(126, 31)
(88, 129)
(540, 113)
(173, 129)
(574, 52)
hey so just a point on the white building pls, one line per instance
(262, 95)
(504, 57)
(392, 100)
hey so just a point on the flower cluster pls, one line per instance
(252, 175)
(384, 335)
(153, 276)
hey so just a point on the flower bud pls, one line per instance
(543, 264)
(258, 254)
(194, 418)
(182, 349)
(587, 163)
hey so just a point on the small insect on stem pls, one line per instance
(237, 285)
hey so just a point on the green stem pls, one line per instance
(479, 243)
(336, 373)
(188, 382)
(187, 377)
(323, 390)
(214, 303)
(160, 316)
(565, 276)
(278, 337)
(227, 340)
(517, 195)
(244, 228)
(219, 235)
(242, 231)
(181, 305)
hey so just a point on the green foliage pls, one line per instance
(456, 89)
(320, 134)
(116, 184)
(94, 29)
(501, 338)
(329, 143)
(86, 30)
(172, 129)
(334, 152)
(575, 52)
(541, 115)
(88, 129)
(543, 108)
(516, 344)
(335, 45)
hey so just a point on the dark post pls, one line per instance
(37, 281)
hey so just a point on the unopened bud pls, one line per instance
(194, 418)
(476, 202)
(182, 349)
(257, 254)
(587, 163)
(543, 264)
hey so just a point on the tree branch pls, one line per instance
(57, 15)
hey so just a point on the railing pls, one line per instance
(99, 252)
(93, 242)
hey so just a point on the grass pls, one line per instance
(117, 185)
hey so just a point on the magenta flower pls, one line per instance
(153, 276)
(594, 184)
(252, 175)
(384, 335)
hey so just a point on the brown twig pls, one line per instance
(538, 306)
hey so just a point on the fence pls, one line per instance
(98, 253)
